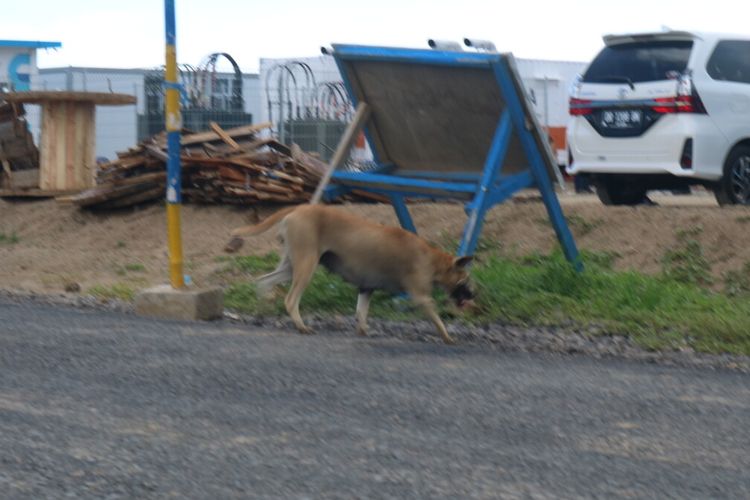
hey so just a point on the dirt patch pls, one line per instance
(45, 247)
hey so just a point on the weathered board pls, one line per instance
(67, 157)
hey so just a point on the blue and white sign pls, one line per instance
(18, 71)
(17, 68)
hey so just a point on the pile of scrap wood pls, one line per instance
(218, 166)
(18, 154)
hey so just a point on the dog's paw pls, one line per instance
(447, 340)
(362, 332)
(305, 330)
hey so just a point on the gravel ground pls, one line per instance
(499, 337)
(100, 404)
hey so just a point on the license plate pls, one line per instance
(621, 118)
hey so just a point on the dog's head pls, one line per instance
(458, 283)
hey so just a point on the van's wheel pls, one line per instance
(734, 186)
(613, 191)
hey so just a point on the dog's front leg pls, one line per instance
(428, 306)
(363, 305)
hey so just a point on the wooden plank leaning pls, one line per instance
(361, 116)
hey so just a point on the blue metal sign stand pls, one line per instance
(482, 191)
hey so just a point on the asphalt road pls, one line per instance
(105, 405)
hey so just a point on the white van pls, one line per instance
(664, 111)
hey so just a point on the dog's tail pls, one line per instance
(264, 226)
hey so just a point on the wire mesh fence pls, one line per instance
(307, 102)
(304, 99)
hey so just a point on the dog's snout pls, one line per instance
(462, 293)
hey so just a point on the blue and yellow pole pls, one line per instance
(174, 126)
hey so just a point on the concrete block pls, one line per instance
(163, 301)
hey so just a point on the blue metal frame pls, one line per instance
(492, 166)
(419, 56)
(485, 191)
(538, 168)
(29, 44)
(404, 217)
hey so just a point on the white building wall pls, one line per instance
(251, 92)
(116, 126)
(548, 85)
(51, 82)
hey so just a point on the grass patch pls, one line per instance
(9, 239)
(253, 264)
(737, 283)
(119, 291)
(658, 312)
(685, 262)
(136, 267)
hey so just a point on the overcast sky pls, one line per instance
(125, 34)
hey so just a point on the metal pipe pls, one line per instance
(444, 45)
(475, 43)
(546, 104)
(173, 126)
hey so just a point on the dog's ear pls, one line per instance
(463, 262)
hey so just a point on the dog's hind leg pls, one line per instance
(282, 274)
(363, 305)
(302, 272)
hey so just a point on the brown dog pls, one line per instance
(368, 255)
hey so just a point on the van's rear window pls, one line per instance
(638, 62)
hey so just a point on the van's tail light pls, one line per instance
(686, 101)
(579, 107)
(680, 104)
